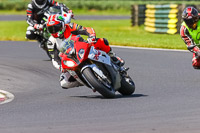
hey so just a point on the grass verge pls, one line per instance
(13, 30)
(118, 32)
(76, 12)
(12, 12)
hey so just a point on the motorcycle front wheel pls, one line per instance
(98, 83)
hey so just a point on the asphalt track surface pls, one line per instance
(77, 17)
(166, 99)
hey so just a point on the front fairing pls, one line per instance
(74, 52)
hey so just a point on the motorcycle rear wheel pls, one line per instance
(127, 86)
(96, 82)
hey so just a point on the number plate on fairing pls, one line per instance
(98, 55)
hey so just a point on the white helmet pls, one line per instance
(39, 3)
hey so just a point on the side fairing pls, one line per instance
(100, 56)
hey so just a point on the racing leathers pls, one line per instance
(191, 38)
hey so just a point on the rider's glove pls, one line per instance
(72, 15)
(65, 8)
(38, 26)
(91, 39)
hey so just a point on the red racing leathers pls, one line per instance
(75, 29)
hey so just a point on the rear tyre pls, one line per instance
(127, 86)
(98, 83)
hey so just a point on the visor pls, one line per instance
(40, 2)
(55, 10)
(190, 22)
(54, 28)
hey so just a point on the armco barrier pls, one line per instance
(161, 18)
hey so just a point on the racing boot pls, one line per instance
(67, 81)
(117, 60)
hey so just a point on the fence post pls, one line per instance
(134, 15)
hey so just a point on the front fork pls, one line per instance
(115, 76)
(96, 70)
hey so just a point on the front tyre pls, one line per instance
(127, 86)
(98, 83)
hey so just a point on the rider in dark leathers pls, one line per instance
(35, 18)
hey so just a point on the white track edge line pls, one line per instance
(157, 49)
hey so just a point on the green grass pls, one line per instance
(76, 12)
(118, 32)
(12, 12)
(91, 6)
(13, 30)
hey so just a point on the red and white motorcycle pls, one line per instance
(94, 68)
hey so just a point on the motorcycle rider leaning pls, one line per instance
(58, 29)
(35, 16)
(189, 32)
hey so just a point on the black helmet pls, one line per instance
(39, 3)
(190, 17)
